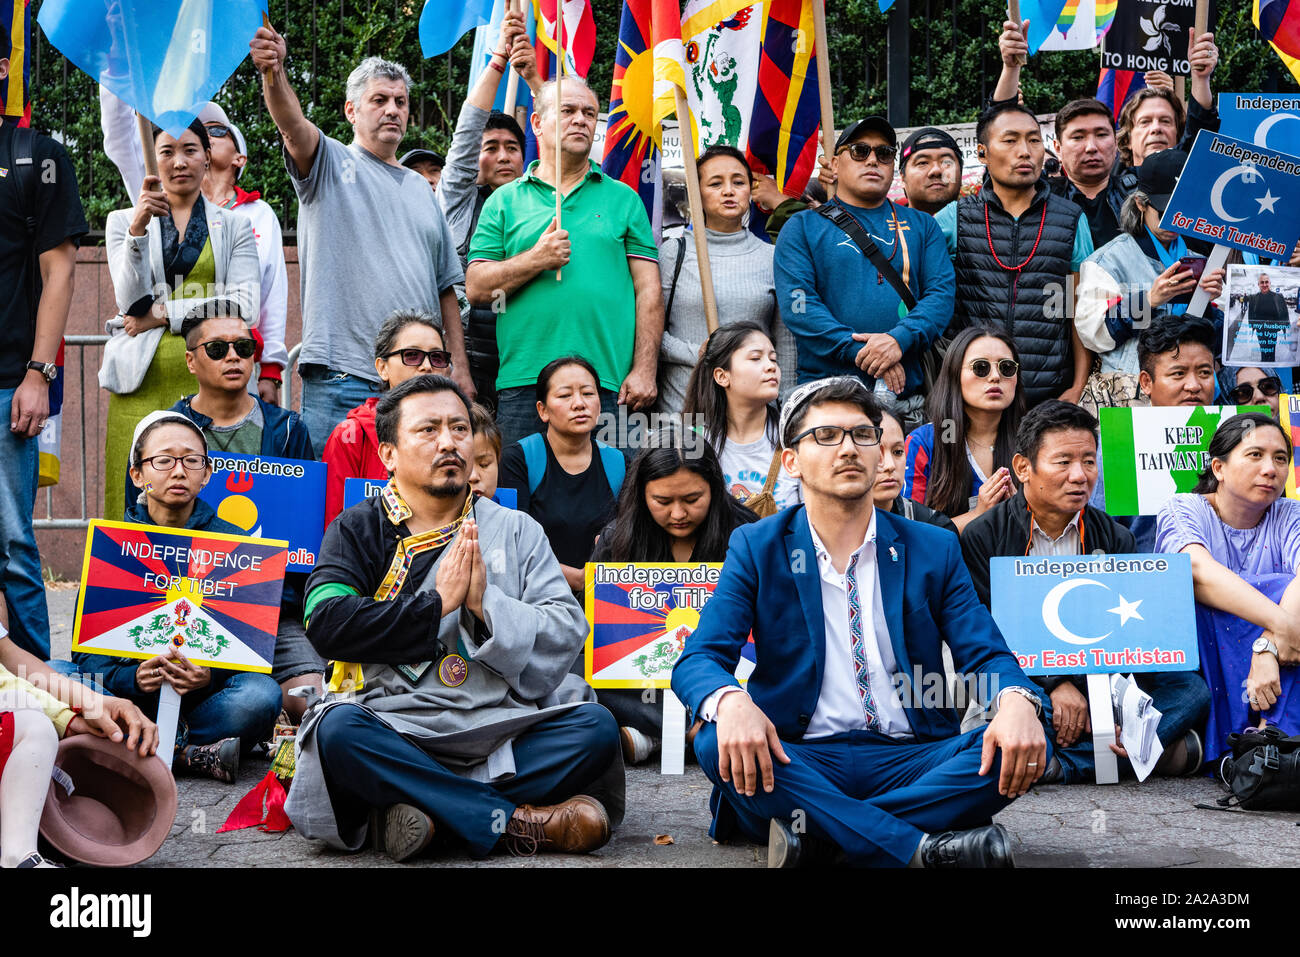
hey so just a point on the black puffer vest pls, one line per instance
(480, 326)
(1036, 311)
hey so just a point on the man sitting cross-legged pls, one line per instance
(459, 711)
(834, 739)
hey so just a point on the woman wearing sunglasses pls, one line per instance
(165, 254)
(976, 406)
(409, 343)
(1252, 386)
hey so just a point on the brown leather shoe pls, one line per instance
(575, 826)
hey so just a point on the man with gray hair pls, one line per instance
(371, 236)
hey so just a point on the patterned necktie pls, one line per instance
(860, 669)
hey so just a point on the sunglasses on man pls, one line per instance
(220, 132)
(1242, 394)
(860, 151)
(438, 358)
(218, 349)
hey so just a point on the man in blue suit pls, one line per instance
(838, 742)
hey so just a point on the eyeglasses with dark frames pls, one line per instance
(438, 358)
(832, 435)
(165, 463)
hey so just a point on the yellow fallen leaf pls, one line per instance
(663, 838)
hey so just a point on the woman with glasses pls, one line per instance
(1252, 386)
(169, 251)
(975, 409)
(223, 713)
(409, 343)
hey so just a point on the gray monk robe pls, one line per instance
(371, 600)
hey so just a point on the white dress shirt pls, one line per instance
(1042, 545)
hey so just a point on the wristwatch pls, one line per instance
(1262, 645)
(47, 369)
(1027, 695)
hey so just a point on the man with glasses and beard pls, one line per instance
(451, 710)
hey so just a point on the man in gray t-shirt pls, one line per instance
(371, 236)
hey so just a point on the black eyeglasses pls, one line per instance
(220, 348)
(860, 151)
(164, 463)
(1007, 368)
(862, 435)
(438, 358)
(220, 132)
(1242, 394)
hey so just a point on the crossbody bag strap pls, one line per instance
(845, 221)
(677, 271)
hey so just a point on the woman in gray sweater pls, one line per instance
(742, 278)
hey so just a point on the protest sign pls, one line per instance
(358, 490)
(1261, 327)
(214, 597)
(640, 615)
(1150, 454)
(1096, 614)
(1288, 414)
(1265, 119)
(1233, 193)
(1150, 35)
(270, 497)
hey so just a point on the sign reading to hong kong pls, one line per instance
(1096, 614)
(641, 614)
(214, 597)
(1150, 454)
(1265, 119)
(1150, 35)
(1234, 193)
(277, 498)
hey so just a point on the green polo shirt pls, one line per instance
(591, 311)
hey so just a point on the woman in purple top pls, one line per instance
(1244, 542)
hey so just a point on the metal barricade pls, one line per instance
(81, 343)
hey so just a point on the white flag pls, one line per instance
(722, 39)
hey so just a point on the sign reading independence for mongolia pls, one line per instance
(1250, 202)
(1270, 120)
(1146, 35)
(279, 498)
(1096, 614)
(641, 614)
(1148, 455)
(145, 589)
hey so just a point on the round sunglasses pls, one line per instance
(438, 358)
(1007, 368)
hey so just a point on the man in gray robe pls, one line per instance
(452, 632)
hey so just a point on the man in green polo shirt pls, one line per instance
(606, 304)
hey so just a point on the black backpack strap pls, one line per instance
(677, 271)
(845, 221)
(24, 167)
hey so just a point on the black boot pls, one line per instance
(978, 847)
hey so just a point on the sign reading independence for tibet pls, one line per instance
(145, 588)
(277, 498)
(641, 614)
(1234, 193)
(1148, 455)
(1150, 35)
(1096, 614)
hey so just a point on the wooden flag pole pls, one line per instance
(559, 81)
(1013, 14)
(146, 144)
(267, 75)
(512, 80)
(687, 134)
(1202, 24)
(824, 83)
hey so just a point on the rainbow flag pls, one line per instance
(1105, 16)
(1066, 19)
(1042, 16)
(15, 95)
(1278, 22)
(787, 114)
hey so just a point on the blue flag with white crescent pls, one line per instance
(1265, 119)
(444, 22)
(164, 58)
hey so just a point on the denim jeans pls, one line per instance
(327, 397)
(1181, 697)
(20, 560)
(517, 413)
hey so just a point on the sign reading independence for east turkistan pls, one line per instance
(1150, 36)
(1096, 614)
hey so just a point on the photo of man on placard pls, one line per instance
(1262, 328)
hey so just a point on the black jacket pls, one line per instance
(1004, 530)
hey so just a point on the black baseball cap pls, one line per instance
(1158, 175)
(422, 155)
(877, 124)
(927, 138)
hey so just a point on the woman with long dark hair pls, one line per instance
(976, 406)
(732, 400)
(673, 508)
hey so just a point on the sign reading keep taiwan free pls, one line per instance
(267, 496)
(1150, 454)
(1234, 193)
(1096, 614)
(641, 614)
(1265, 119)
(214, 597)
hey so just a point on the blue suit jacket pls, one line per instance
(770, 585)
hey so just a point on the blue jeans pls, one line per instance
(1181, 697)
(517, 413)
(327, 397)
(20, 560)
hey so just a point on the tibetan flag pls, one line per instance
(15, 89)
(163, 58)
(1042, 16)
(1278, 22)
(1115, 87)
(787, 114)
(1105, 16)
(444, 22)
(579, 33)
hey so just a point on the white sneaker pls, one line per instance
(636, 745)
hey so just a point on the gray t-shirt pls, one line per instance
(371, 239)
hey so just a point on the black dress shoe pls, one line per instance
(977, 847)
(785, 848)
